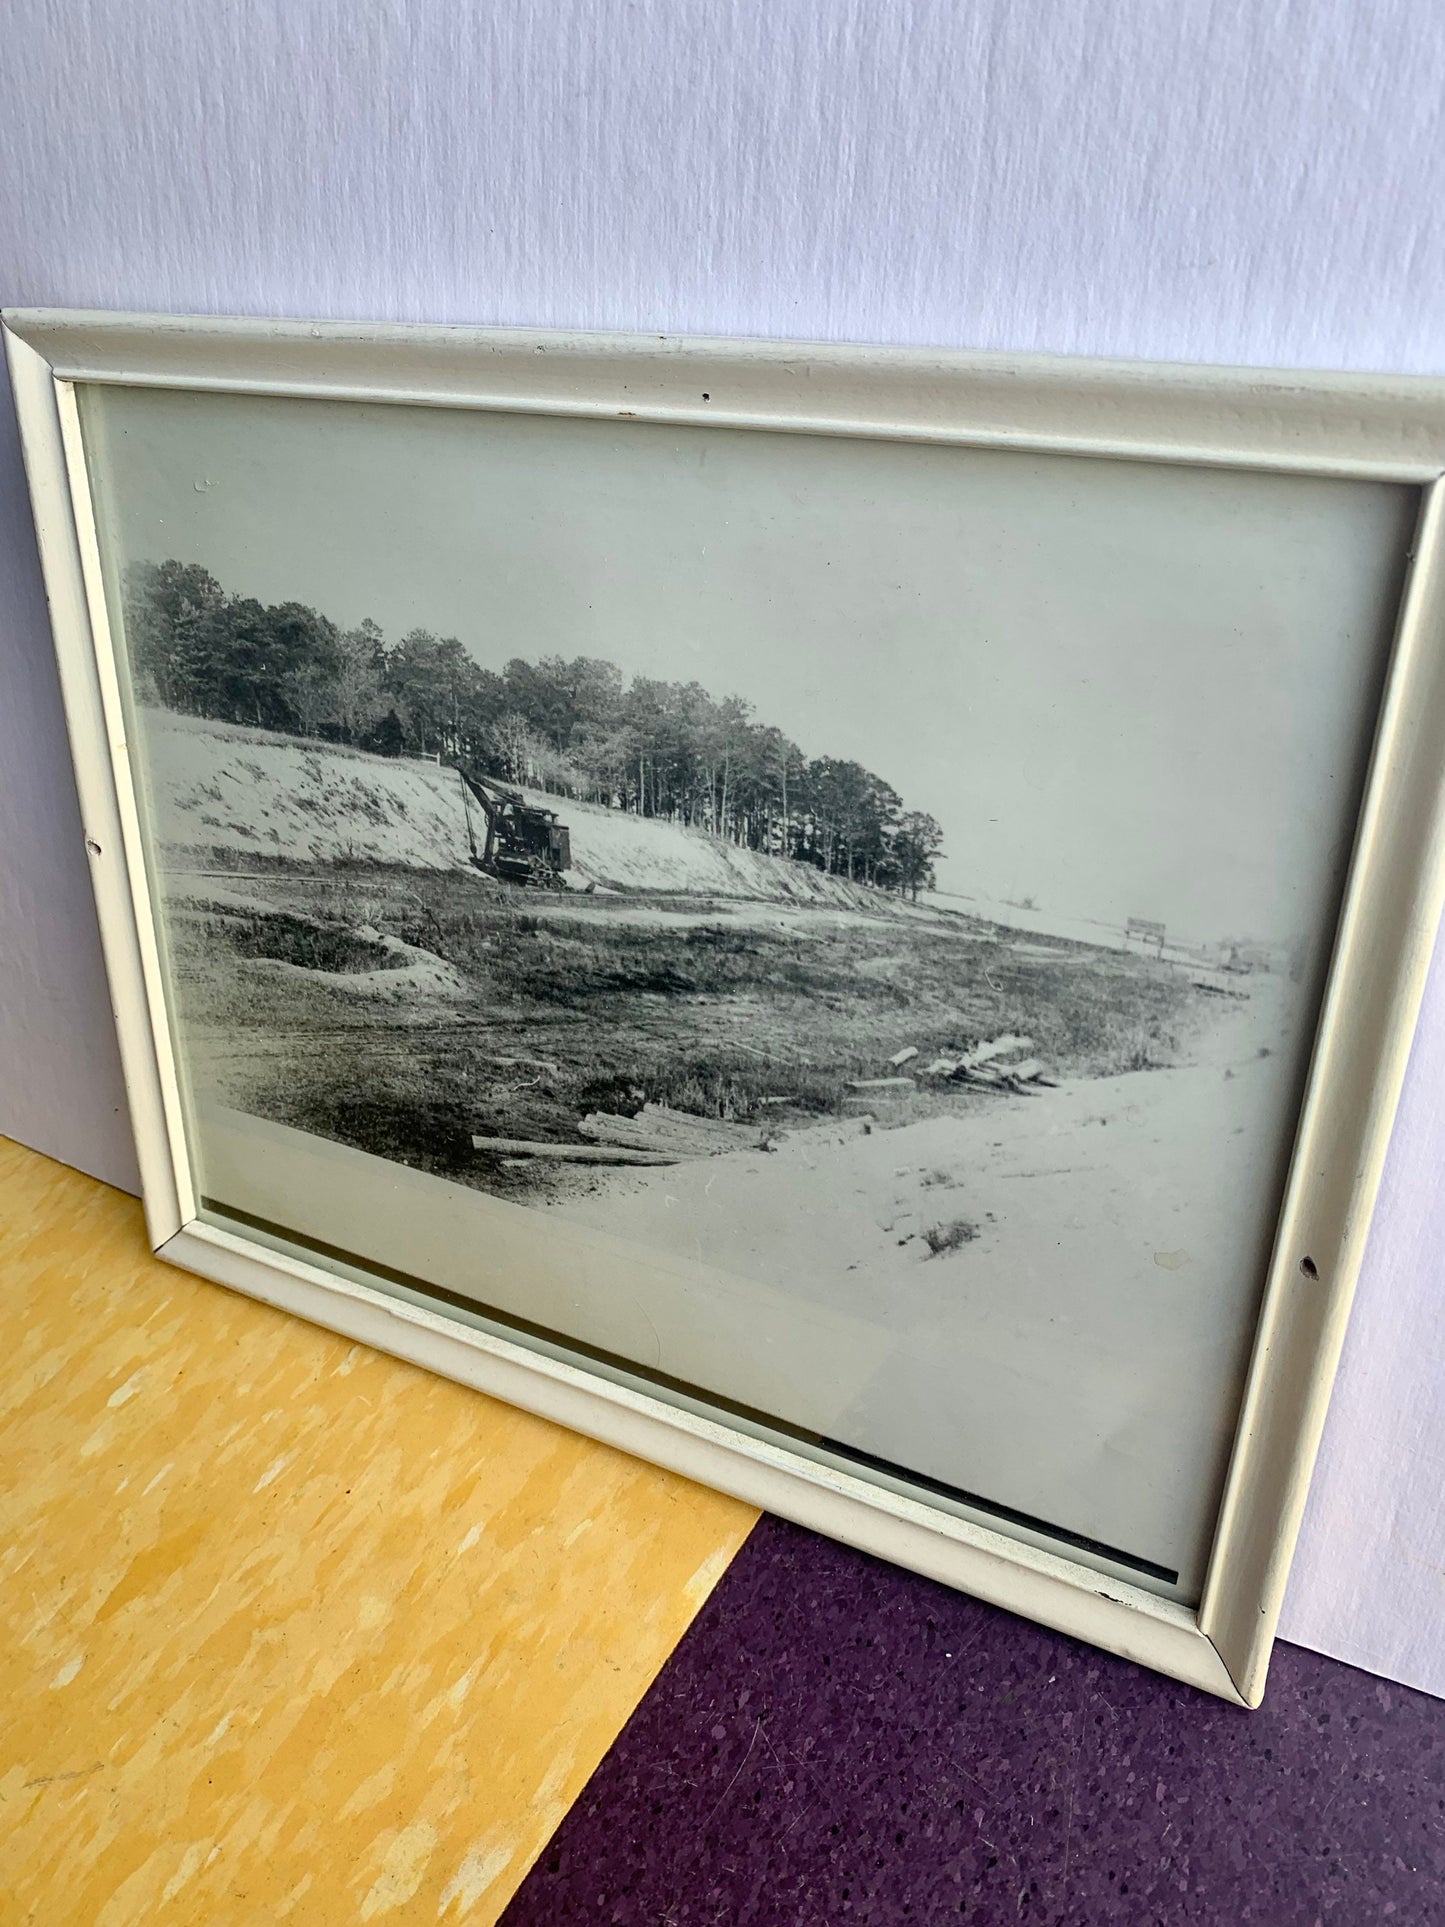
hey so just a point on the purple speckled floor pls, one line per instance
(836, 1740)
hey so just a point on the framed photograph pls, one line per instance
(848, 921)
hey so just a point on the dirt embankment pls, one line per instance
(221, 791)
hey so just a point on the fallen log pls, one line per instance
(880, 1084)
(519, 1147)
(904, 1056)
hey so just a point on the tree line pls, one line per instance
(655, 748)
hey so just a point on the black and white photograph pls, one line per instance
(887, 888)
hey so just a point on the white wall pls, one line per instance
(1238, 181)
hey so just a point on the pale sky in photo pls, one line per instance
(1123, 689)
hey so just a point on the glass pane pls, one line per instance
(832, 927)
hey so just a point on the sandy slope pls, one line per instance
(216, 787)
(1074, 1359)
(641, 853)
(213, 786)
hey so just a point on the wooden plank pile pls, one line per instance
(514, 1150)
(656, 1135)
(1001, 1064)
(676, 1135)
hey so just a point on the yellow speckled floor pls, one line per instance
(292, 1631)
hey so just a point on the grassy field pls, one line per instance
(298, 994)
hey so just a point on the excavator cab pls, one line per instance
(530, 845)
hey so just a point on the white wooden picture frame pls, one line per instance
(1246, 422)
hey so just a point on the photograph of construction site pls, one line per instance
(899, 879)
